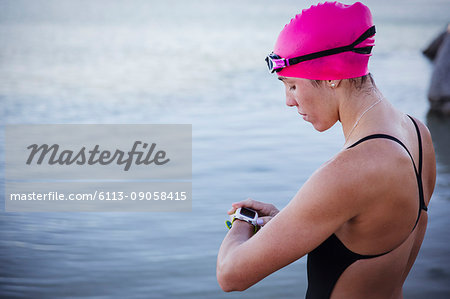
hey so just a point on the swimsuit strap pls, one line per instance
(418, 171)
(422, 199)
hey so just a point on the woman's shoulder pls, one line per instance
(370, 170)
(355, 176)
(373, 157)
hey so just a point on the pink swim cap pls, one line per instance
(322, 27)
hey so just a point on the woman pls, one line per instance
(361, 217)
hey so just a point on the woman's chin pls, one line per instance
(320, 127)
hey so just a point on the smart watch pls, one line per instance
(244, 214)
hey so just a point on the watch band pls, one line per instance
(229, 224)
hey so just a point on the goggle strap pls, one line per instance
(364, 50)
(368, 33)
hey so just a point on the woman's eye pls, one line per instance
(292, 87)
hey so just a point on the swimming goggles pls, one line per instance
(277, 63)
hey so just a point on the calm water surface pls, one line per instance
(198, 62)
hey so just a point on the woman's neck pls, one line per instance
(355, 107)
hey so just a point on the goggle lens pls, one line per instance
(275, 63)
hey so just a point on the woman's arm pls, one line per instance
(240, 232)
(321, 206)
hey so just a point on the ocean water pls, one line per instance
(202, 63)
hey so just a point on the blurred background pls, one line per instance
(200, 63)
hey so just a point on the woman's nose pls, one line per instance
(290, 101)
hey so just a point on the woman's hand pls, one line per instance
(265, 211)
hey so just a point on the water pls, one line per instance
(198, 62)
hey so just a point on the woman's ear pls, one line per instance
(334, 83)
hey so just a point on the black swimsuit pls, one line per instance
(329, 260)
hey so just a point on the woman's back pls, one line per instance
(371, 254)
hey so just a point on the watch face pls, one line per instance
(248, 213)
